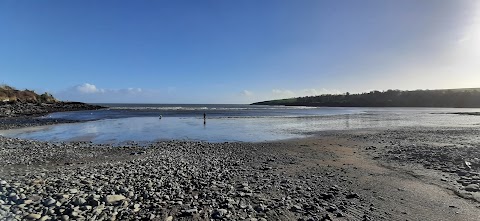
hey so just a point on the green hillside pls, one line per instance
(463, 97)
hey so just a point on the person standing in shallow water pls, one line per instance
(204, 118)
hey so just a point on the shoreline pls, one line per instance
(336, 175)
(14, 115)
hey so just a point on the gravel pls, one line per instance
(169, 180)
(452, 152)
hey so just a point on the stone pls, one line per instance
(219, 213)
(45, 218)
(352, 195)
(49, 202)
(65, 218)
(332, 209)
(111, 199)
(14, 198)
(79, 201)
(472, 188)
(93, 202)
(27, 202)
(33, 216)
(191, 211)
(74, 214)
(136, 207)
(86, 207)
(260, 208)
(296, 208)
(35, 198)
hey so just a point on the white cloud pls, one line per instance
(87, 88)
(88, 92)
(129, 90)
(247, 93)
(135, 89)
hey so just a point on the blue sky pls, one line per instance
(236, 51)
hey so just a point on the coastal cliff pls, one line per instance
(16, 103)
(10, 94)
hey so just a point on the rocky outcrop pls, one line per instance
(16, 103)
(17, 109)
(10, 94)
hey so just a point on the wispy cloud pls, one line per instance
(87, 88)
(88, 92)
(246, 93)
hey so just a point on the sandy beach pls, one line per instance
(405, 174)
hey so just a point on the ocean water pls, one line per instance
(122, 123)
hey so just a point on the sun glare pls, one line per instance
(471, 39)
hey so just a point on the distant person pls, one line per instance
(160, 117)
(204, 118)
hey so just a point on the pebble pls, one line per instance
(45, 218)
(191, 211)
(65, 218)
(33, 216)
(219, 213)
(110, 199)
(472, 188)
(296, 208)
(49, 202)
(79, 202)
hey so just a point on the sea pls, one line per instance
(144, 123)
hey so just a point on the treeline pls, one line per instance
(389, 98)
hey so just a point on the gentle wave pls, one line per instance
(287, 116)
(211, 108)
